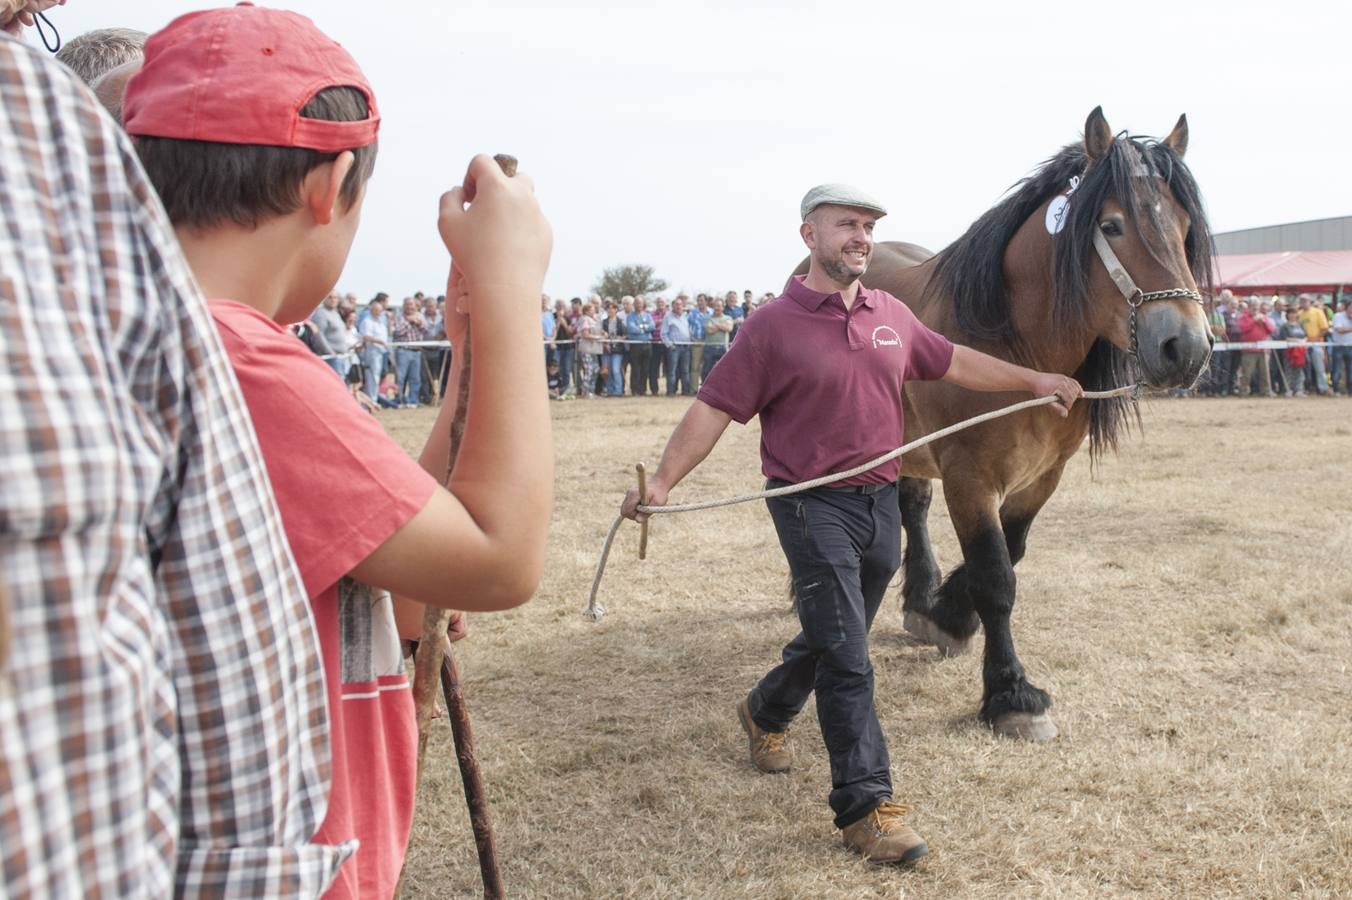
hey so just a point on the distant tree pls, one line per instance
(620, 280)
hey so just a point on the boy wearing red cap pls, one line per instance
(259, 133)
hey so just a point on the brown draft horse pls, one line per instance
(1025, 283)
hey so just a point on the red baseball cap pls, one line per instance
(241, 75)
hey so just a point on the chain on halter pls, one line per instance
(1134, 296)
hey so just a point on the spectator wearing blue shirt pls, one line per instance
(374, 334)
(638, 327)
(1277, 313)
(382, 298)
(697, 317)
(732, 307)
(676, 337)
(548, 326)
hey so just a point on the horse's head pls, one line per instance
(1031, 277)
(1133, 248)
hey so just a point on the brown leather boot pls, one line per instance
(769, 749)
(882, 837)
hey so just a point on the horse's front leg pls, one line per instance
(1010, 704)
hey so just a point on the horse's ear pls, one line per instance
(1098, 137)
(1177, 140)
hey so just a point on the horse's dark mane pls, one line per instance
(970, 270)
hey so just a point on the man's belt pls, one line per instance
(864, 489)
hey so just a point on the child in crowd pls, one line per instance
(1294, 333)
(260, 134)
(388, 394)
(554, 381)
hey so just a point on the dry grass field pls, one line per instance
(1188, 605)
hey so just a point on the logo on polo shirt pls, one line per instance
(884, 336)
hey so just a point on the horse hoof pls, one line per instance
(1036, 727)
(923, 628)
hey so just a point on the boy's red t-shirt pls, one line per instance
(343, 488)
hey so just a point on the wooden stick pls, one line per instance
(427, 658)
(479, 820)
(642, 498)
(434, 656)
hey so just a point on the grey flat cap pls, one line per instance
(839, 195)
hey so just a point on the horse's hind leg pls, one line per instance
(1010, 704)
(938, 615)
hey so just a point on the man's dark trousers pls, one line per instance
(637, 356)
(843, 549)
(657, 365)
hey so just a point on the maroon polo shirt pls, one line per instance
(826, 381)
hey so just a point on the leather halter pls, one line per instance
(1134, 296)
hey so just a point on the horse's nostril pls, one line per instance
(1169, 351)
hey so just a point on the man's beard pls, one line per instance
(836, 270)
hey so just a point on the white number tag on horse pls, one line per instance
(1059, 208)
(1057, 211)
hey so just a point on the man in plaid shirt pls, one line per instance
(162, 712)
(409, 328)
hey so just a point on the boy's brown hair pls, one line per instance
(204, 184)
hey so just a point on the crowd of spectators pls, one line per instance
(361, 346)
(1302, 368)
(609, 347)
(594, 347)
(598, 347)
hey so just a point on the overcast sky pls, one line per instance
(684, 134)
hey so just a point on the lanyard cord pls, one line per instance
(40, 19)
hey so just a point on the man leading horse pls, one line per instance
(823, 367)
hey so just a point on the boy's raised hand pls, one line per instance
(495, 231)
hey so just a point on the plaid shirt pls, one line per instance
(406, 332)
(162, 714)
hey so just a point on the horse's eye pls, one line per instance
(1110, 228)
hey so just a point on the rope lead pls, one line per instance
(595, 611)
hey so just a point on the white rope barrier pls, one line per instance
(1270, 345)
(595, 611)
(552, 343)
(445, 345)
(1233, 345)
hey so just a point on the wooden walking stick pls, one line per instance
(434, 661)
(458, 713)
(642, 498)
